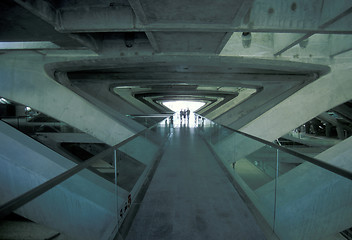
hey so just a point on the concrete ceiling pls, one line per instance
(129, 55)
(187, 77)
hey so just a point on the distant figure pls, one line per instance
(188, 112)
(199, 120)
(171, 120)
(181, 115)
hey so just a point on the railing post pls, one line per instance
(116, 193)
(275, 192)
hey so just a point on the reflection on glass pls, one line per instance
(290, 193)
(96, 192)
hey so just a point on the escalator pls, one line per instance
(89, 205)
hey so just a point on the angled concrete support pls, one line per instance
(323, 94)
(24, 80)
(340, 44)
(83, 207)
(312, 203)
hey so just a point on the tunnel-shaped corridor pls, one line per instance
(185, 187)
(190, 197)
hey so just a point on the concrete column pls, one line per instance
(327, 129)
(340, 131)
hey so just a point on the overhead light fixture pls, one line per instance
(129, 39)
(28, 45)
(304, 43)
(246, 39)
(4, 101)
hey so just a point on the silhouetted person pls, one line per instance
(171, 120)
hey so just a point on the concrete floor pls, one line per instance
(26, 230)
(191, 198)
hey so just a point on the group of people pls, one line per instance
(185, 114)
(184, 117)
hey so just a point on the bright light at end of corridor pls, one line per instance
(177, 106)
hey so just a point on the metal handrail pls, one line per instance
(150, 115)
(325, 165)
(320, 163)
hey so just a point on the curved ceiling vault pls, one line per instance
(234, 89)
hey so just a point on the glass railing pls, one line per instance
(82, 204)
(30, 125)
(149, 119)
(53, 134)
(298, 197)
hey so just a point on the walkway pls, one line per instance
(191, 198)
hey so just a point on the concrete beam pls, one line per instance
(327, 118)
(89, 41)
(261, 16)
(340, 44)
(25, 82)
(117, 47)
(128, 96)
(313, 200)
(312, 16)
(336, 16)
(242, 11)
(203, 96)
(206, 78)
(43, 9)
(25, 164)
(283, 42)
(242, 96)
(95, 19)
(305, 104)
(102, 96)
(209, 105)
(138, 10)
(69, 137)
(215, 104)
(152, 104)
(210, 67)
(153, 41)
(343, 110)
(46, 11)
(267, 96)
(340, 127)
(327, 19)
(223, 42)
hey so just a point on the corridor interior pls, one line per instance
(190, 197)
(178, 179)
